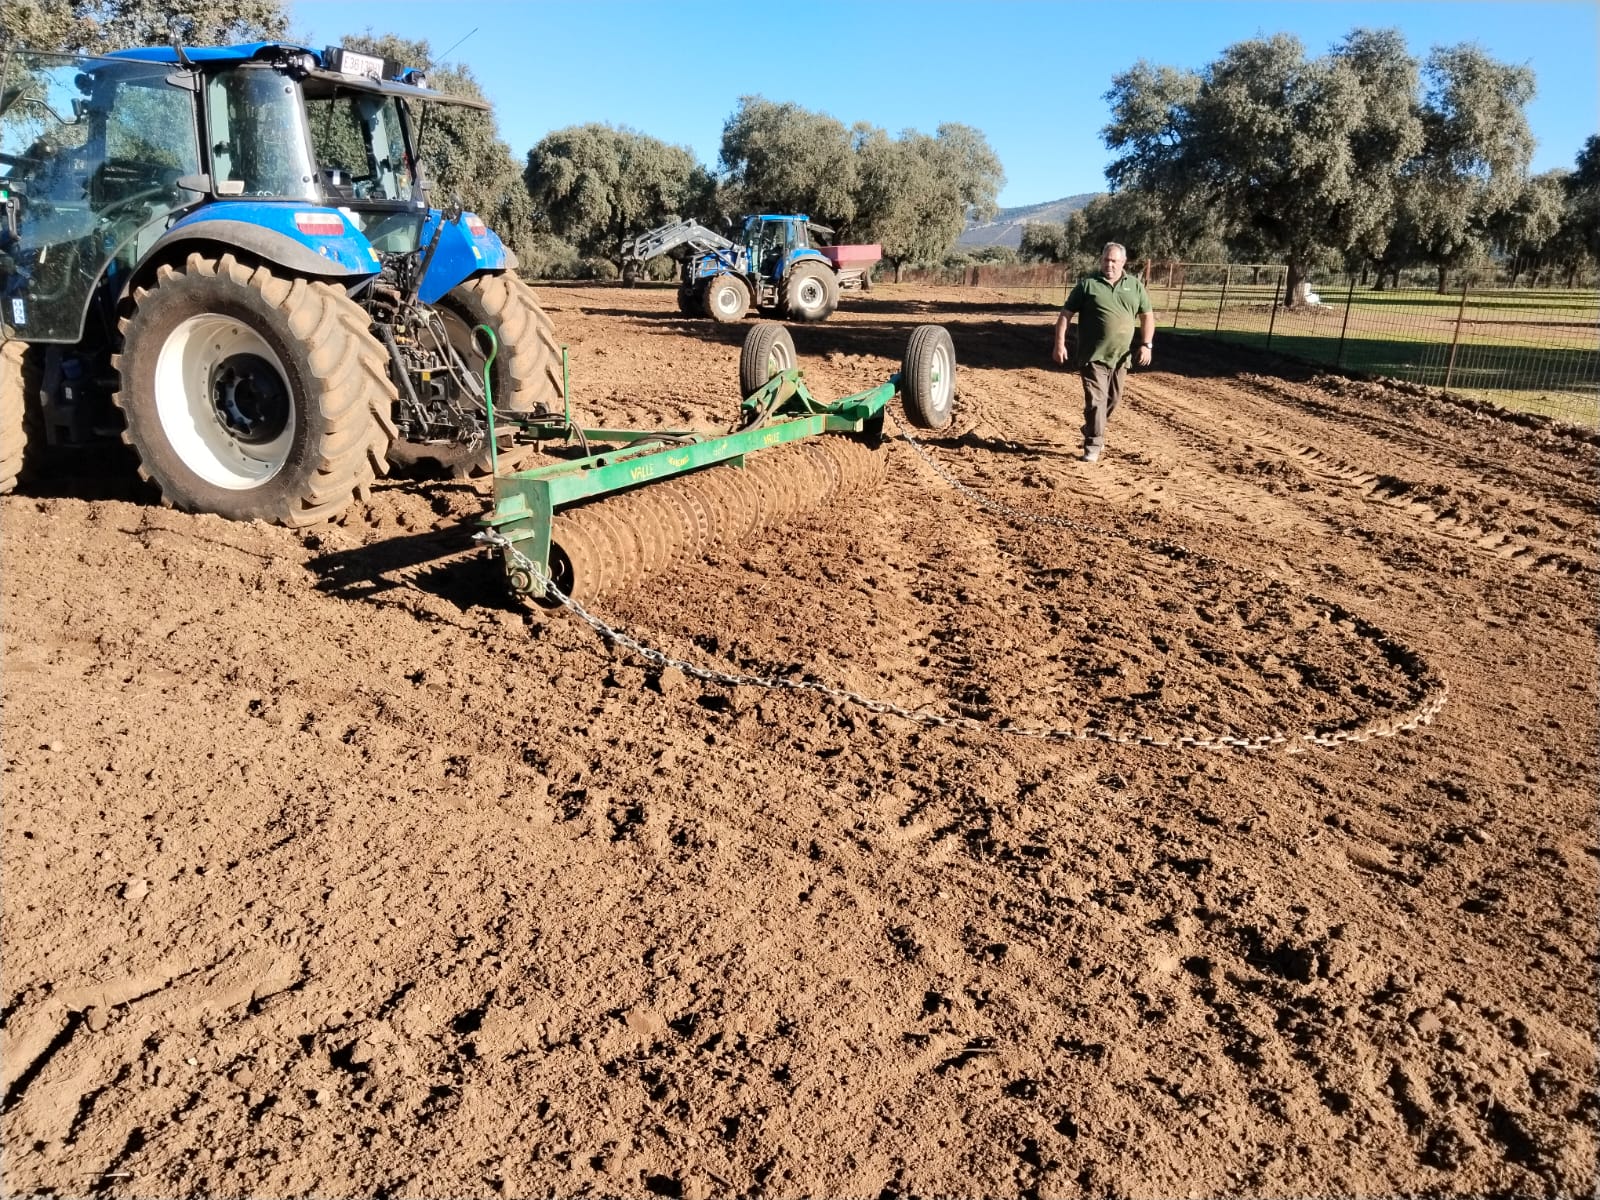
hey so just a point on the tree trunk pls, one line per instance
(1444, 273)
(1294, 285)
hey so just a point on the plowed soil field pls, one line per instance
(331, 871)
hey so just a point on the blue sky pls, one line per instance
(1031, 74)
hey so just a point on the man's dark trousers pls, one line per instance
(1102, 392)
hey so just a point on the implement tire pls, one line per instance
(252, 396)
(928, 377)
(21, 438)
(526, 375)
(811, 292)
(768, 350)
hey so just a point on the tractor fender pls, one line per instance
(271, 233)
(805, 256)
(463, 252)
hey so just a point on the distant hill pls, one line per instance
(1006, 228)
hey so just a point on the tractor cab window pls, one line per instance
(256, 136)
(769, 239)
(360, 145)
(90, 154)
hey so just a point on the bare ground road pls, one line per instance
(330, 871)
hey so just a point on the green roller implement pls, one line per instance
(639, 503)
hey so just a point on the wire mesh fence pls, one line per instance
(1537, 350)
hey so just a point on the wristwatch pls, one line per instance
(1147, 345)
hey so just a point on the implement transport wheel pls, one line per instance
(812, 292)
(252, 396)
(928, 377)
(727, 299)
(768, 351)
(21, 438)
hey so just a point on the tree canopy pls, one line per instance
(596, 185)
(911, 193)
(97, 26)
(1359, 153)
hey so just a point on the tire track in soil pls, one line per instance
(1205, 429)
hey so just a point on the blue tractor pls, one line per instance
(783, 264)
(228, 256)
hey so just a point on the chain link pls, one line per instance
(1434, 691)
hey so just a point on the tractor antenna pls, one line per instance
(459, 40)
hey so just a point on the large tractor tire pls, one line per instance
(727, 299)
(526, 375)
(252, 396)
(928, 377)
(768, 350)
(811, 293)
(21, 438)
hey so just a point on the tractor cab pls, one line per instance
(771, 242)
(104, 159)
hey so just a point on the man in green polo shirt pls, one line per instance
(1108, 303)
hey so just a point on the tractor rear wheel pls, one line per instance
(727, 299)
(252, 396)
(21, 438)
(812, 293)
(525, 377)
(768, 350)
(928, 377)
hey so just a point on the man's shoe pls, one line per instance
(1090, 454)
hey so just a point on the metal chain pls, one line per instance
(1434, 690)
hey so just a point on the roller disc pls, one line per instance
(624, 569)
(576, 565)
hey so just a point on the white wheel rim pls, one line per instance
(728, 299)
(810, 293)
(779, 359)
(193, 369)
(942, 378)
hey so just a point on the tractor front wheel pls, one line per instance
(21, 438)
(252, 396)
(727, 299)
(812, 293)
(691, 301)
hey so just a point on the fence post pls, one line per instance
(1227, 278)
(1273, 320)
(1338, 359)
(1183, 279)
(1450, 367)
